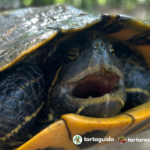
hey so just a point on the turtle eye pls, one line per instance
(72, 54)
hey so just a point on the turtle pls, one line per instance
(67, 74)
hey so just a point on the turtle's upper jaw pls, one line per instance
(99, 94)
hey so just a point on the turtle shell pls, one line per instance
(24, 31)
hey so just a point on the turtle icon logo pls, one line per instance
(122, 139)
(77, 139)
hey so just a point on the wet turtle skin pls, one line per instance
(21, 98)
(136, 77)
(81, 83)
(40, 32)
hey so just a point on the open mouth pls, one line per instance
(96, 92)
(96, 84)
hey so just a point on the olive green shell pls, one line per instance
(24, 30)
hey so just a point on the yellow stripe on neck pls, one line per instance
(55, 79)
(137, 90)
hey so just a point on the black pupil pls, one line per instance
(72, 54)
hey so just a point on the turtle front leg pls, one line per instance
(21, 99)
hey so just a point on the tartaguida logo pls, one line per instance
(77, 139)
(122, 139)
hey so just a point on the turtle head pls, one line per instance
(87, 79)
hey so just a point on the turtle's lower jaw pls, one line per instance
(100, 94)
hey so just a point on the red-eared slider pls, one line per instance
(59, 64)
